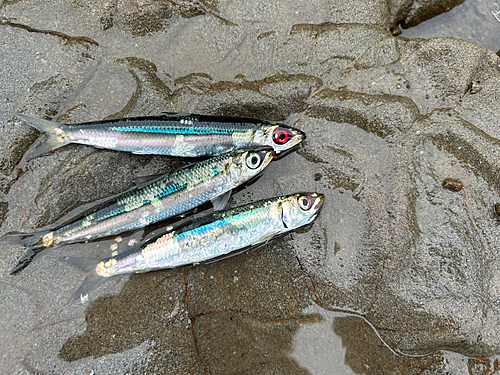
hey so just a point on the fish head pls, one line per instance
(249, 164)
(301, 209)
(279, 137)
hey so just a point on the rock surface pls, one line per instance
(408, 268)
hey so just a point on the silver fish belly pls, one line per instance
(218, 234)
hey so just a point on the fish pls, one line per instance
(163, 197)
(209, 237)
(173, 134)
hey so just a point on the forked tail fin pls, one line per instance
(91, 281)
(33, 243)
(55, 131)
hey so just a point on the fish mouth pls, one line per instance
(317, 205)
(285, 138)
(266, 155)
(298, 134)
(320, 199)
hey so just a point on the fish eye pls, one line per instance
(305, 203)
(253, 161)
(281, 136)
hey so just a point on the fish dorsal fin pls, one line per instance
(221, 201)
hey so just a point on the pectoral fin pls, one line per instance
(221, 201)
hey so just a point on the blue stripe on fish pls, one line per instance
(170, 130)
(202, 229)
(169, 190)
(215, 224)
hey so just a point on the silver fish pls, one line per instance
(164, 197)
(211, 237)
(174, 134)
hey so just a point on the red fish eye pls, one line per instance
(280, 136)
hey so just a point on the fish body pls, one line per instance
(164, 197)
(174, 134)
(217, 234)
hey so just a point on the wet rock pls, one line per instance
(143, 18)
(421, 11)
(45, 96)
(410, 13)
(470, 16)
(365, 356)
(387, 121)
(374, 13)
(383, 115)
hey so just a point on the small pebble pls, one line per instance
(452, 184)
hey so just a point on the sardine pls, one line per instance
(209, 237)
(174, 134)
(164, 197)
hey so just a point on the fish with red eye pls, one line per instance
(281, 135)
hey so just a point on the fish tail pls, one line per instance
(91, 281)
(56, 135)
(82, 263)
(32, 242)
